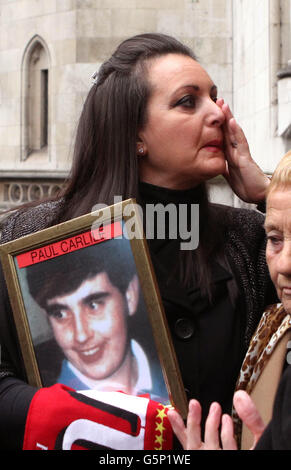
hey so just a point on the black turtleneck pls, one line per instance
(207, 336)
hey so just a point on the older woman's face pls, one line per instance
(278, 252)
(183, 136)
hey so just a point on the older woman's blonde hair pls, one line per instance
(282, 175)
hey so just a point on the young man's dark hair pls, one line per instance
(65, 273)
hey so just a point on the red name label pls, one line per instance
(92, 237)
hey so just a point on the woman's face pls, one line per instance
(278, 251)
(182, 137)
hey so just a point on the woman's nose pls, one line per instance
(214, 114)
(284, 262)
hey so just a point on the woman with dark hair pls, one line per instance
(153, 129)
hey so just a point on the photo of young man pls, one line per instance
(93, 304)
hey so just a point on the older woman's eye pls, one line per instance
(187, 101)
(274, 241)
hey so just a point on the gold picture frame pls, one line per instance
(38, 264)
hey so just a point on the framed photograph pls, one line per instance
(87, 307)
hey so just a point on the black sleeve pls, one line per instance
(15, 393)
(11, 359)
(265, 442)
(277, 435)
(15, 399)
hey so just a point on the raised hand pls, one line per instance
(244, 176)
(190, 435)
(216, 438)
(249, 415)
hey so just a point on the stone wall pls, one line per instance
(261, 42)
(77, 36)
(241, 43)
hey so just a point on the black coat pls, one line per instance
(210, 341)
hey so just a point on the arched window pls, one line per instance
(35, 99)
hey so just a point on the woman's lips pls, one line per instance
(213, 146)
(286, 291)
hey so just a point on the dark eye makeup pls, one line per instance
(189, 101)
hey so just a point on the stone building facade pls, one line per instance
(50, 48)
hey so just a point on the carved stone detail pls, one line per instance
(15, 193)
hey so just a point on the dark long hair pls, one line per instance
(105, 161)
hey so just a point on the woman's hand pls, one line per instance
(245, 177)
(248, 413)
(190, 435)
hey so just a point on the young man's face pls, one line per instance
(90, 325)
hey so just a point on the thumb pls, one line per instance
(248, 413)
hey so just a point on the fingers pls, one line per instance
(212, 433)
(212, 427)
(227, 434)
(229, 119)
(233, 132)
(190, 436)
(249, 414)
(220, 102)
(194, 425)
(178, 426)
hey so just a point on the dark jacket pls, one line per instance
(244, 246)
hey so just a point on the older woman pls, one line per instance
(153, 128)
(267, 359)
(267, 356)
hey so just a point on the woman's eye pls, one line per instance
(187, 102)
(214, 98)
(275, 241)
